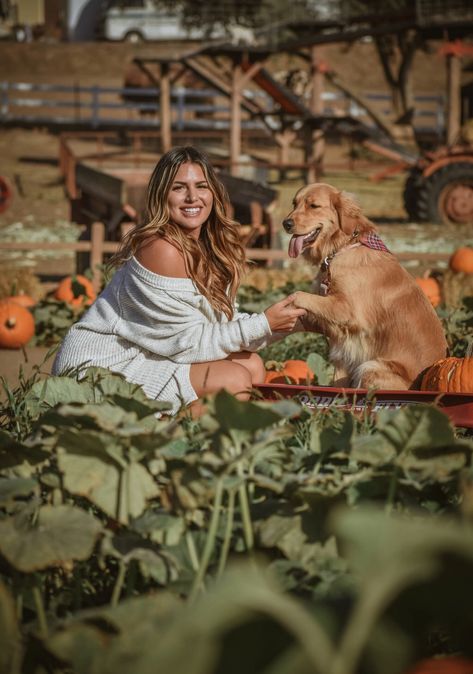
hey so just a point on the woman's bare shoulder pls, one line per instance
(162, 257)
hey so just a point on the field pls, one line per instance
(264, 537)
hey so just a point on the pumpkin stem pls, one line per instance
(10, 322)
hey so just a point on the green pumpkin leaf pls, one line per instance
(60, 534)
(10, 638)
(240, 415)
(415, 428)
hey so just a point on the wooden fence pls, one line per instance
(98, 248)
(96, 107)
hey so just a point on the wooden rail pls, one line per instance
(98, 247)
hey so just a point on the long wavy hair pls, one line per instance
(216, 261)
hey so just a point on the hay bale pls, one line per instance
(15, 280)
(456, 286)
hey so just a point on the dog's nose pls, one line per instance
(288, 224)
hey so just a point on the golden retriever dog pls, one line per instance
(381, 328)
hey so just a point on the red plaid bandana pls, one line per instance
(372, 240)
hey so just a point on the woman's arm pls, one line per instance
(183, 327)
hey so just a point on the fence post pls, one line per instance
(97, 239)
(4, 100)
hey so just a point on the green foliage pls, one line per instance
(265, 536)
(53, 318)
(458, 326)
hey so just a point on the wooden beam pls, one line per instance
(240, 78)
(165, 108)
(453, 98)
(235, 121)
(316, 108)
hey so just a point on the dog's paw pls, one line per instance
(302, 300)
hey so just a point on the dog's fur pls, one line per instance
(381, 328)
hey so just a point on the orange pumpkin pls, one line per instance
(23, 299)
(449, 374)
(75, 290)
(431, 288)
(16, 325)
(293, 371)
(451, 665)
(462, 260)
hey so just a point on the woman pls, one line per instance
(167, 320)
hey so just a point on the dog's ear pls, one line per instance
(349, 212)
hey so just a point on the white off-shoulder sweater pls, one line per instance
(151, 328)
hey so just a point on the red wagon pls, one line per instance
(458, 406)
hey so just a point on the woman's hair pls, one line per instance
(216, 261)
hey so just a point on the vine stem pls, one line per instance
(194, 559)
(117, 589)
(245, 513)
(40, 612)
(209, 542)
(228, 533)
(392, 490)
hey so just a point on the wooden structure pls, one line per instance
(97, 247)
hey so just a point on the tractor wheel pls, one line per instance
(411, 194)
(446, 196)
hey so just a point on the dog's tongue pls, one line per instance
(295, 245)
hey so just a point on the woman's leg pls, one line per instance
(207, 378)
(253, 363)
(237, 374)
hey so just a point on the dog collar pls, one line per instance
(370, 240)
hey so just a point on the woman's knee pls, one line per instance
(208, 378)
(251, 362)
(238, 381)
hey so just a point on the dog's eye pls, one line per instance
(314, 205)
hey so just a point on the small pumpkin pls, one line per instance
(447, 665)
(462, 260)
(293, 371)
(75, 290)
(449, 374)
(23, 299)
(16, 325)
(430, 286)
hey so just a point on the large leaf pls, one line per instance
(374, 541)
(19, 454)
(244, 621)
(322, 369)
(393, 556)
(415, 428)
(239, 415)
(60, 534)
(54, 390)
(93, 637)
(11, 489)
(10, 639)
(121, 491)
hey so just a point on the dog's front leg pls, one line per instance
(325, 311)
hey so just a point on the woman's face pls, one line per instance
(190, 199)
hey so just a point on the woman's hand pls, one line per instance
(283, 315)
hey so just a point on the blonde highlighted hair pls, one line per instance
(216, 261)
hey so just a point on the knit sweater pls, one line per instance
(151, 328)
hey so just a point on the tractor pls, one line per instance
(439, 187)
